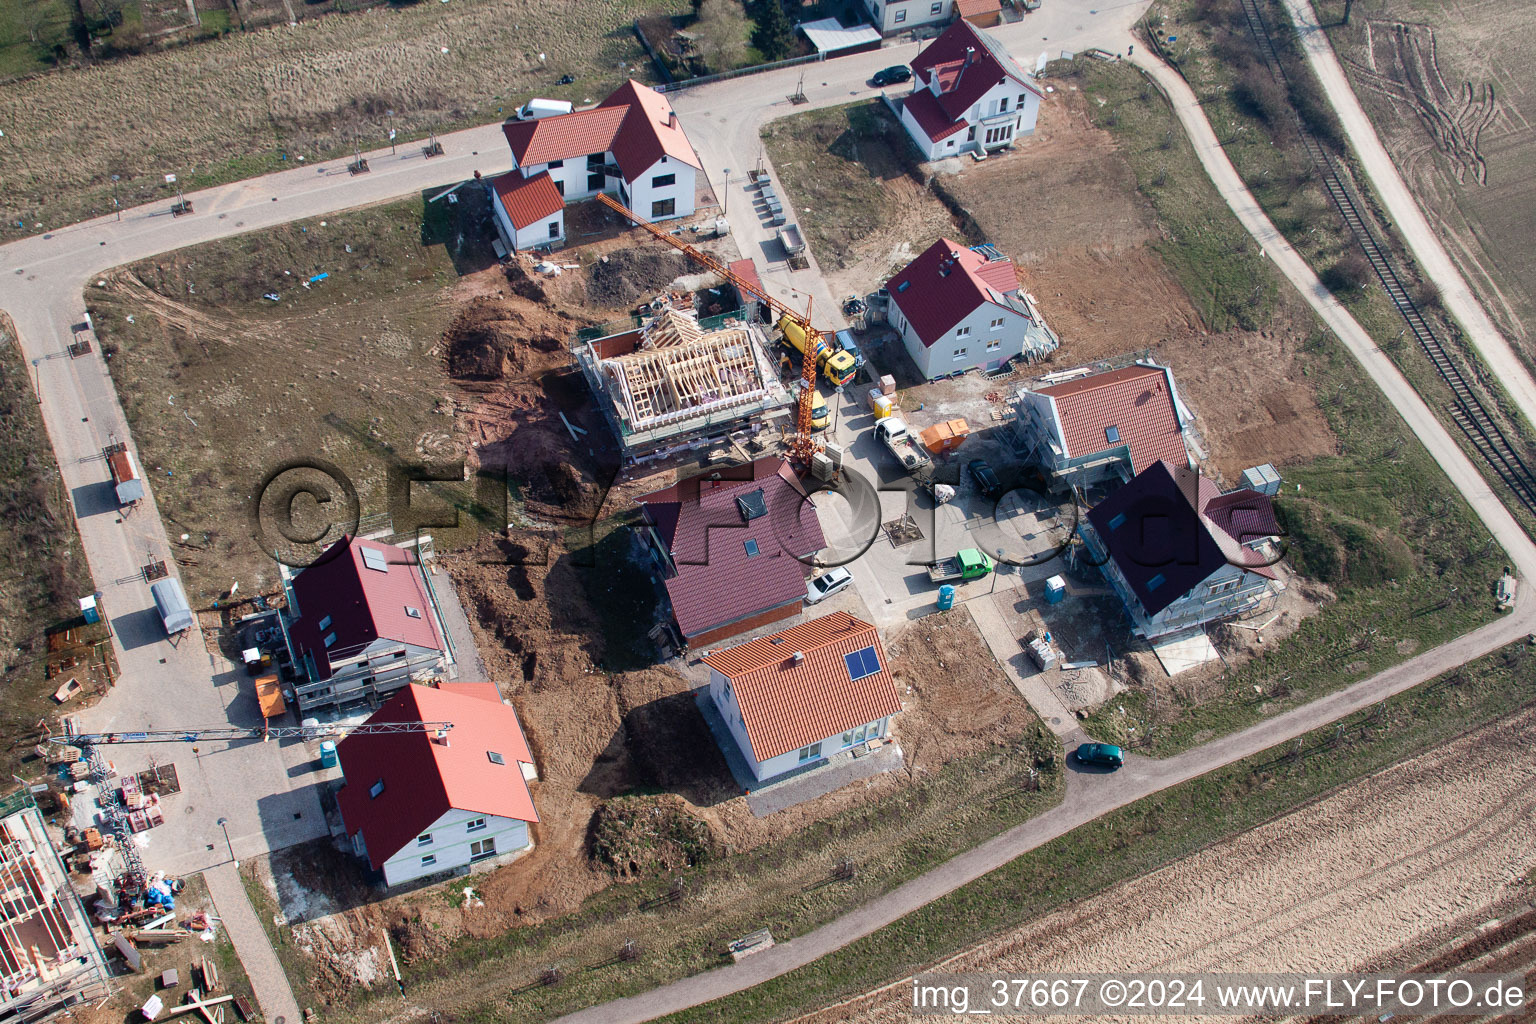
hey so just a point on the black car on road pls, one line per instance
(986, 480)
(892, 75)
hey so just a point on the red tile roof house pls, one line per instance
(968, 95)
(730, 546)
(418, 803)
(630, 144)
(958, 308)
(1179, 553)
(1105, 426)
(362, 622)
(798, 697)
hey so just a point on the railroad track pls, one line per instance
(1467, 409)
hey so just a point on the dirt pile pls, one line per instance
(624, 277)
(637, 837)
(494, 337)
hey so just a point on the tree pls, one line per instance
(722, 33)
(774, 36)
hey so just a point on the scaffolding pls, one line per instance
(49, 957)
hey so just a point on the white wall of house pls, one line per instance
(725, 701)
(891, 16)
(985, 337)
(1007, 111)
(576, 176)
(649, 199)
(549, 231)
(451, 843)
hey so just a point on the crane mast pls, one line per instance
(803, 444)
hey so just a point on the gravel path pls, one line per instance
(1330, 887)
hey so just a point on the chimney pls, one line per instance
(970, 55)
(440, 737)
(798, 657)
(672, 119)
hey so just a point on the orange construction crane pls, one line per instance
(803, 445)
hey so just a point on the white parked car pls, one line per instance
(827, 584)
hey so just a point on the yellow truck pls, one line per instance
(837, 367)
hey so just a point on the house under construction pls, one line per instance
(49, 957)
(668, 383)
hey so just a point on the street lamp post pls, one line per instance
(725, 195)
(115, 203)
(224, 824)
(391, 115)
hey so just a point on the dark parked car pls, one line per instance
(893, 75)
(986, 480)
(1106, 754)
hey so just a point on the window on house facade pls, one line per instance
(663, 180)
(663, 208)
(997, 324)
(970, 135)
(554, 229)
(375, 790)
(809, 753)
(482, 848)
(556, 163)
(1002, 105)
(963, 332)
(901, 16)
(935, 10)
(993, 346)
(560, 187)
(726, 689)
(425, 839)
(960, 352)
(1223, 586)
(996, 135)
(594, 160)
(595, 182)
(861, 734)
(474, 825)
(429, 860)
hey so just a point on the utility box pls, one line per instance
(1263, 479)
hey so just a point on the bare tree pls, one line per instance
(722, 31)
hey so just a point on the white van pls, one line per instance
(535, 109)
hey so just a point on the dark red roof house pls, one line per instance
(362, 622)
(968, 94)
(422, 802)
(731, 543)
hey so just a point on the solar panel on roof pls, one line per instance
(861, 663)
(373, 558)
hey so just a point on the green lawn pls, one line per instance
(29, 30)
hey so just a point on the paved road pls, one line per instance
(1410, 221)
(256, 954)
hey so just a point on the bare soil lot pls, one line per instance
(234, 107)
(1445, 86)
(1356, 881)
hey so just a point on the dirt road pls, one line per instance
(1339, 885)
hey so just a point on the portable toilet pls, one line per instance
(946, 597)
(328, 758)
(1055, 590)
(88, 609)
(884, 405)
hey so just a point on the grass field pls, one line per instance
(1142, 837)
(29, 31)
(42, 566)
(234, 107)
(346, 370)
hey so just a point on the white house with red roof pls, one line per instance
(1104, 425)
(968, 95)
(417, 803)
(362, 622)
(630, 144)
(958, 308)
(798, 697)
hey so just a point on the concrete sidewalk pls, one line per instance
(268, 980)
